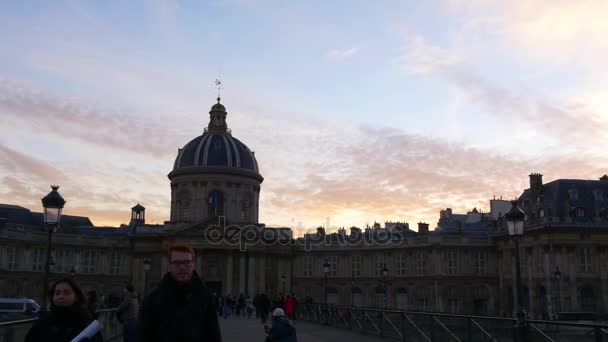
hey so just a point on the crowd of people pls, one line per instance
(261, 304)
(181, 308)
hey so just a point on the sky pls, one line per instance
(358, 111)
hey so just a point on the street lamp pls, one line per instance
(515, 225)
(558, 276)
(73, 271)
(384, 284)
(283, 277)
(326, 267)
(147, 266)
(53, 205)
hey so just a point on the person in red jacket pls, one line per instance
(290, 306)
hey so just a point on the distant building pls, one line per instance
(464, 265)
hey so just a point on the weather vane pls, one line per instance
(218, 85)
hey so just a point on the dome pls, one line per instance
(216, 150)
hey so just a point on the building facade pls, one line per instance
(464, 265)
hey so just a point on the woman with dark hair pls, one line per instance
(67, 318)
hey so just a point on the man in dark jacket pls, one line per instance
(181, 309)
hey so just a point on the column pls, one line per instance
(229, 275)
(199, 263)
(604, 287)
(550, 291)
(262, 273)
(572, 285)
(242, 273)
(252, 288)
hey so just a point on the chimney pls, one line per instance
(536, 181)
(423, 228)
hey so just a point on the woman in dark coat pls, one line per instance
(66, 319)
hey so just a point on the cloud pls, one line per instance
(379, 173)
(420, 57)
(518, 105)
(341, 54)
(69, 119)
(559, 31)
(13, 161)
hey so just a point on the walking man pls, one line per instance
(181, 308)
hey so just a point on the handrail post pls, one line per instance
(598, 334)
(403, 328)
(381, 323)
(432, 328)
(469, 330)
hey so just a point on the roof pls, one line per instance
(567, 194)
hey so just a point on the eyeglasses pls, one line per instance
(181, 262)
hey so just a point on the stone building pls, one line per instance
(464, 265)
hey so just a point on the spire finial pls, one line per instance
(218, 85)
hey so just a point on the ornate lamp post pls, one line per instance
(558, 276)
(515, 224)
(326, 267)
(384, 284)
(53, 205)
(283, 277)
(147, 266)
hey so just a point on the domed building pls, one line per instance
(215, 175)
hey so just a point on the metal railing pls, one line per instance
(417, 326)
(16, 330)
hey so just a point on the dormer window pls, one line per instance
(573, 194)
(540, 198)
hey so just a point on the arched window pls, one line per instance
(215, 204)
(381, 296)
(357, 297)
(402, 299)
(332, 296)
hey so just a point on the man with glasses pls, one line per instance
(181, 308)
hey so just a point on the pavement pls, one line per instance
(242, 329)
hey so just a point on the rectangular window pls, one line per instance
(37, 257)
(379, 265)
(401, 265)
(307, 266)
(355, 262)
(584, 259)
(63, 260)
(452, 300)
(451, 262)
(88, 261)
(420, 263)
(115, 263)
(539, 262)
(12, 258)
(333, 266)
(245, 211)
(479, 262)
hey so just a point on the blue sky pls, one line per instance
(357, 110)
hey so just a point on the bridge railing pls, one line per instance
(15, 330)
(430, 326)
